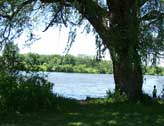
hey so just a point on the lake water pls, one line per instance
(79, 86)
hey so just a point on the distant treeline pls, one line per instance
(154, 70)
(69, 63)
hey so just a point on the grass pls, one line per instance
(86, 113)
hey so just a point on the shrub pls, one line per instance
(117, 96)
(25, 93)
(22, 92)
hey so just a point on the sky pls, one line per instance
(54, 41)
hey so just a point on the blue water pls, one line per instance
(80, 86)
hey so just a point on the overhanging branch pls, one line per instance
(153, 15)
(142, 2)
(10, 17)
(22, 6)
(52, 21)
(91, 11)
(5, 16)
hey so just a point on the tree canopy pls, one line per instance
(18, 16)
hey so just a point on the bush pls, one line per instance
(21, 93)
(25, 93)
(117, 96)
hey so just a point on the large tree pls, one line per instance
(132, 30)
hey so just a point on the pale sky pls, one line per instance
(54, 41)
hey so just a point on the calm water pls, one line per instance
(79, 86)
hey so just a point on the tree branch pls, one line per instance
(21, 6)
(142, 2)
(52, 21)
(94, 14)
(17, 10)
(91, 11)
(5, 16)
(154, 14)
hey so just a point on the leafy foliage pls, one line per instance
(117, 96)
(20, 92)
(68, 63)
(24, 93)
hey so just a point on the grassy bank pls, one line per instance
(85, 113)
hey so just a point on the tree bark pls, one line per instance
(128, 74)
(124, 42)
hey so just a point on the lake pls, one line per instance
(79, 85)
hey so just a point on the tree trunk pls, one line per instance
(124, 42)
(128, 74)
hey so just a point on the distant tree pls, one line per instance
(69, 59)
(105, 67)
(132, 30)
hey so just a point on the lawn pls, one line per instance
(78, 113)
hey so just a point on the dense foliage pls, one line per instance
(68, 63)
(154, 70)
(24, 93)
(21, 92)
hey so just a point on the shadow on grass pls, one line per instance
(73, 113)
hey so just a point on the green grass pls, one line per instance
(73, 113)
